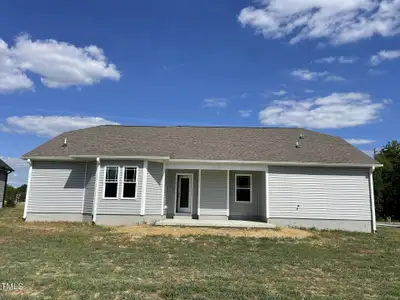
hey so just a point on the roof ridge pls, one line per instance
(199, 126)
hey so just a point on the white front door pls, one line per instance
(184, 194)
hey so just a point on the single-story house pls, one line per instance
(5, 170)
(129, 174)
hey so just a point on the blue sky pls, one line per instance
(331, 66)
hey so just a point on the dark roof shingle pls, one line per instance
(4, 166)
(205, 143)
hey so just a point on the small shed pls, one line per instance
(5, 170)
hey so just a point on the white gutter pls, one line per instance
(274, 163)
(121, 157)
(57, 158)
(169, 160)
(28, 188)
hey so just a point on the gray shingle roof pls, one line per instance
(205, 143)
(4, 166)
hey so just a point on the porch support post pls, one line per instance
(96, 190)
(144, 186)
(163, 190)
(266, 194)
(28, 188)
(371, 189)
(227, 192)
(199, 193)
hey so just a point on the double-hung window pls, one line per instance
(129, 189)
(111, 182)
(243, 188)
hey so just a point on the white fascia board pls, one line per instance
(52, 158)
(225, 163)
(121, 157)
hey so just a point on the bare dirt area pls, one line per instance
(150, 230)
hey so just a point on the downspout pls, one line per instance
(371, 188)
(96, 192)
(28, 188)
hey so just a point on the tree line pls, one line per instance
(15, 195)
(387, 182)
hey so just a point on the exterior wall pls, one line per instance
(154, 188)
(89, 187)
(115, 220)
(320, 197)
(57, 217)
(56, 187)
(170, 184)
(247, 211)
(119, 206)
(3, 176)
(213, 197)
(348, 225)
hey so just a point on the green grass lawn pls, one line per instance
(82, 261)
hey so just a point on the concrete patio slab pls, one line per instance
(214, 223)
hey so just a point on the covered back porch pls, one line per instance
(216, 192)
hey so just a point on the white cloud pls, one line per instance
(339, 59)
(334, 78)
(51, 125)
(59, 64)
(11, 78)
(337, 21)
(20, 174)
(308, 75)
(360, 141)
(338, 110)
(383, 55)
(280, 93)
(376, 72)
(245, 113)
(309, 91)
(215, 102)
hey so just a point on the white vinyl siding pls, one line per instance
(319, 193)
(57, 187)
(120, 206)
(154, 188)
(90, 187)
(213, 193)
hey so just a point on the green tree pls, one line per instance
(387, 182)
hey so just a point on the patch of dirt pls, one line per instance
(138, 231)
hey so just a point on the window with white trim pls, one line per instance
(129, 189)
(243, 188)
(111, 182)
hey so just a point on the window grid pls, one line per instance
(109, 180)
(130, 179)
(238, 188)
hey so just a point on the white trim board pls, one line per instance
(144, 187)
(96, 191)
(28, 188)
(163, 191)
(215, 166)
(238, 164)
